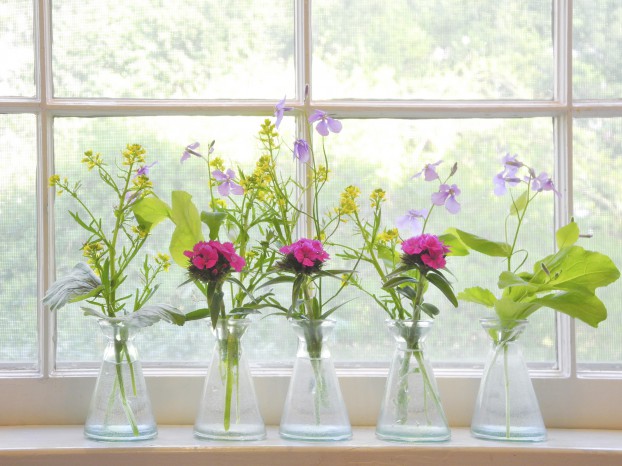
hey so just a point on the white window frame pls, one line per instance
(49, 396)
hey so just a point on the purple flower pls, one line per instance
(412, 220)
(446, 195)
(227, 184)
(507, 175)
(543, 182)
(325, 124)
(144, 170)
(301, 150)
(429, 171)
(279, 110)
(190, 150)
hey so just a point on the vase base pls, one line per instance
(414, 434)
(314, 433)
(122, 433)
(239, 432)
(516, 434)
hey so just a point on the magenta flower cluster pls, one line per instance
(425, 249)
(304, 256)
(210, 261)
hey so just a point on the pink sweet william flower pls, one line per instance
(211, 261)
(303, 256)
(425, 250)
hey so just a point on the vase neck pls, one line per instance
(226, 328)
(312, 336)
(119, 332)
(409, 334)
(503, 331)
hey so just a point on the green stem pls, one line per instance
(506, 379)
(118, 348)
(231, 363)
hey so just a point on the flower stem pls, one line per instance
(506, 379)
(118, 348)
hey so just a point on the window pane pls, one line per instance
(360, 157)
(17, 72)
(421, 49)
(598, 211)
(165, 139)
(191, 49)
(596, 49)
(18, 230)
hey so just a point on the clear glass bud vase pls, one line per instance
(506, 406)
(120, 408)
(314, 408)
(229, 408)
(411, 409)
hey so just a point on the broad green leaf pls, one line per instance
(214, 221)
(575, 268)
(509, 279)
(456, 246)
(187, 226)
(478, 295)
(520, 203)
(567, 235)
(198, 314)
(583, 306)
(482, 245)
(150, 211)
(508, 309)
(387, 255)
(443, 285)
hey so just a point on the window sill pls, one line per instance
(65, 445)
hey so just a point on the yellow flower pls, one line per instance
(54, 180)
(140, 231)
(163, 260)
(133, 153)
(321, 174)
(218, 164)
(219, 204)
(388, 235)
(377, 196)
(92, 160)
(142, 182)
(347, 201)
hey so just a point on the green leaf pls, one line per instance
(150, 211)
(478, 295)
(567, 235)
(407, 291)
(188, 226)
(333, 309)
(389, 256)
(197, 314)
(214, 221)
(88, 295)
(583, 306)
(482, 245)
(430, 309)
(277, 280)
(509, 279)
(508, 309)
(440, 282)
(520, 204)
(395, 281)
(215, 305)
(456, 246)
(573, 268)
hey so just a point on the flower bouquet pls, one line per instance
(120, 407)
(566, 281)
(411, 408)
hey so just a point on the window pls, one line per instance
(413, 82)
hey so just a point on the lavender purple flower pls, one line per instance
(325, 123)
(302, 151)
(227, 184)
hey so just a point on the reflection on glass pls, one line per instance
(421, 49)
(597, 210)
(185, 50)
(18, 230)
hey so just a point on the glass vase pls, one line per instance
(411, 409)
(120, 408)
(506, 406)
(229, 408)
(314, 407)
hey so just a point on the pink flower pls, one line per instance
(210, 261)
(305, 255)
(426, 249)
